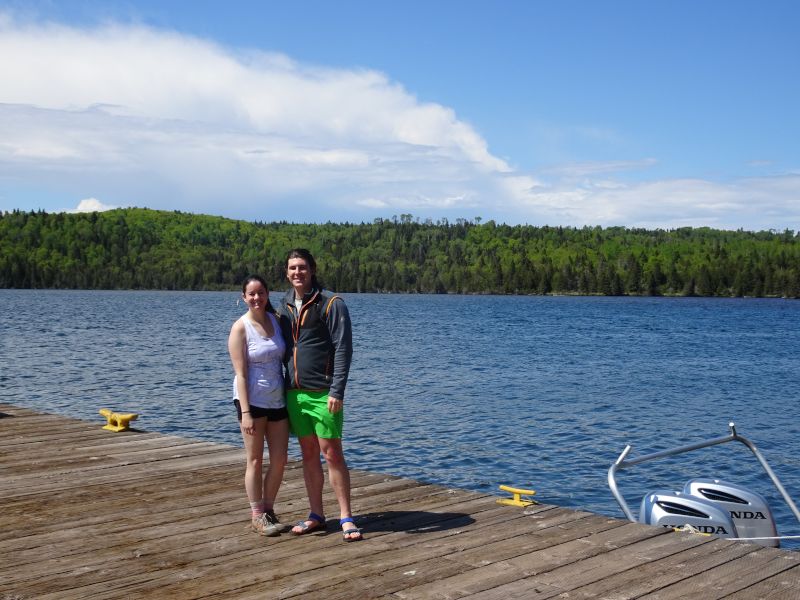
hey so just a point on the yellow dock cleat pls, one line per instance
(516, 499)
(117, 421)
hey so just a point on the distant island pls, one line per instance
(139, 248)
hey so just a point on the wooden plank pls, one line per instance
(392, 566)
(396, 567)
(619, 560)
(494, 572)
(70, 437)
(10, 410)
(163, 516)
(234, 499)
(634, 580)
(36, 433)
(100, 504)
(784, 586)
(31, 459)
(116, 539)
(154, 514)
(736, 575)
(215, 562)
(43, 424)
(47, 484)
(304, 561)
(618, 574)
(88, 462)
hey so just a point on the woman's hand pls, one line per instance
(248, 424)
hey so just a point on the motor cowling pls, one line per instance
(747, 509)
(677, 509)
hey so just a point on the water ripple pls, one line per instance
(464, 391)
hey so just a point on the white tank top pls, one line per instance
(264, 367)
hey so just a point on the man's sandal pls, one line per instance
(319, 523)
(350, 535)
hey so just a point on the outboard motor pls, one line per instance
(710, 505)
(748, 510)
(676, 509)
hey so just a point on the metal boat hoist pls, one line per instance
(714, 506)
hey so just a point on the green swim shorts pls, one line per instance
(308, 413)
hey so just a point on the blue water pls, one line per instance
(465, 391)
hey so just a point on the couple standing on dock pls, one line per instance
(310, 335)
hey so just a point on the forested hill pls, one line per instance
(148, 249)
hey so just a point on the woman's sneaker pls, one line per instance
(262, 526)
(273, 520)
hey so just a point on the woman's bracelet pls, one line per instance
(244, 412)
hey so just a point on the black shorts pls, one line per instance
(272, 414)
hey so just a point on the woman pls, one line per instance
(256, 347)
(317, 328)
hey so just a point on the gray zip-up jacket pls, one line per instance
(319, 342)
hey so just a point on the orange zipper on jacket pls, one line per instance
(301, 317)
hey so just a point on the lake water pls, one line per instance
(464, 391)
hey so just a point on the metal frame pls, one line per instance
(621, 463)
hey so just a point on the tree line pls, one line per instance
(147, 249)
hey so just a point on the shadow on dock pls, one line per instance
(87, 513)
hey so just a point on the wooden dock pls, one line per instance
(86, 513)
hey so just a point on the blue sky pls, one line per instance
(635, 113)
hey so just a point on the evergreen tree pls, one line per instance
(145, 249)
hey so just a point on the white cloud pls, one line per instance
(155, 117)
(749, 203)
(373, 203)
(91, 205)
(146, 117)
(598, 167)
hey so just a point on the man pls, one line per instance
(318, 334)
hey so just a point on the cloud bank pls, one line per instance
(135, 116)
